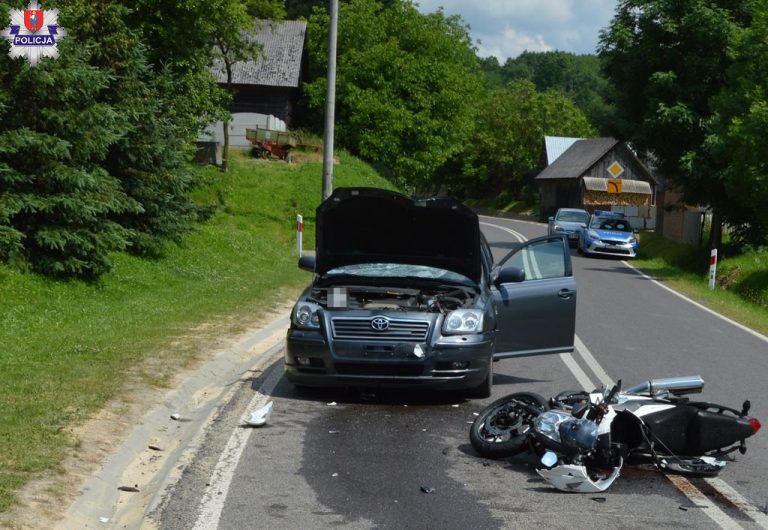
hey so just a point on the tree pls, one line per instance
(667, 61)
(734, 147)
(406, 84)
(511, 124)
(576, 76)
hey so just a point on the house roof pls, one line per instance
(578, 158)
(279, 64)
(554, 146)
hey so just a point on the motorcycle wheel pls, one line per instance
(501, 429)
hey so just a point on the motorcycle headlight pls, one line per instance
(305, 315)
(463, 321)
(579, 433)
(549, 422)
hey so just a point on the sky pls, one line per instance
(506, 28)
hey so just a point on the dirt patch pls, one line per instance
(46, 498)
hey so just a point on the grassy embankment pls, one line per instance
(66, 348)
(741, 291)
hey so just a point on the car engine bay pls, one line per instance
(440, 299)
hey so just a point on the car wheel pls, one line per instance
(484, 389)
(502, 428)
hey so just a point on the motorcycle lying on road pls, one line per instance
(584, 438)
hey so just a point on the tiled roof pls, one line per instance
(582, 155)
(280, 61)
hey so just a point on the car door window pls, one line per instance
(540, 260)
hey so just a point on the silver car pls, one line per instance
(568, 222)
(405, 293)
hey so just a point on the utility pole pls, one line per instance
(330, 102)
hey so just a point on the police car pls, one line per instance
(608, 233)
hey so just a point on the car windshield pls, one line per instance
(604, 223)
(398, 270)
(572, 217)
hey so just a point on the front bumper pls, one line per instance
(610, 248)
(571, 235)
(384, 364)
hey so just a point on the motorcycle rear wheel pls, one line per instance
(502, 428)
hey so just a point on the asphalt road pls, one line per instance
(336, 458)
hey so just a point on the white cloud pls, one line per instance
(508, 27)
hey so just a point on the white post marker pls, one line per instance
(712, 268)
(299, 233)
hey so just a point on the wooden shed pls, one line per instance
(595, 174)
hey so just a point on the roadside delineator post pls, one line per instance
(299, 233)
(712, 267)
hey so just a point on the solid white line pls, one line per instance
(708, 310)
(591, 362)
(737, 500)
(212, 503)
(578, 373)
(520, 237)
(722, 519)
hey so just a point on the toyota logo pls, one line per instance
(380, 324)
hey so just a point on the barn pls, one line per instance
(595, 174)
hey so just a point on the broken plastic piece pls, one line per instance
(132, 489)
(332, 404)
(176, 416)
(104, 520)
(418, 351)
(334, 474)
(333, 432)
(427, 489)
(260, 416)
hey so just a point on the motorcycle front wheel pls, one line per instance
(502, 428)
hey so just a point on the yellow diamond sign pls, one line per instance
(615, 170)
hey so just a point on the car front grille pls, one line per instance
(399, 330)
(380, 369)
(610, 250)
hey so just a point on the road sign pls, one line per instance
(614, 185)
(615, 169)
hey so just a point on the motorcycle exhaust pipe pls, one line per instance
(690, 384)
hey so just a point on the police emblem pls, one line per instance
(33, 33)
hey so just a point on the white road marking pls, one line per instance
(215, 496)
(737, 500)
(591, 362)
(578, 373)
(722, 519)
(708, 310)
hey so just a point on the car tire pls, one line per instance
(501, 429)
(484, 389)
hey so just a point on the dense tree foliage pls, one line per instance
(577, 76)
(406, 85)
(669, 63)
(93, 145)
(511, 124)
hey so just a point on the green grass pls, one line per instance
(66, 348)
(741, 290)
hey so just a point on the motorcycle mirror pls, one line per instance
(745, 407)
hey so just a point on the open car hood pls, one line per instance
(370, 225)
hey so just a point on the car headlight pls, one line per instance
(463, 321)
(632, 240)
(305, 315)
(557, 227)
(593, 235)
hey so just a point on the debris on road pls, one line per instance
(427, 489)
(260, 416)
(154, 447)
(334, 474)
(332, 404)
(131, 489)
(599, 499)
(334, 432)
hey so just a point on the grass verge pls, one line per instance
(66, 348)
(741, 290)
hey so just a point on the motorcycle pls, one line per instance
(584, 438)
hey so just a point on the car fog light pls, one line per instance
(303, 361)
(459, 365)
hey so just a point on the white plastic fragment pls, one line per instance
(332, 404)
(260, 416)
(335, 475)
(418, 351)
(176, 416)
(333, 432)
(455, 406)
(104, 520)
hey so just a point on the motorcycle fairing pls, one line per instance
(569, 477)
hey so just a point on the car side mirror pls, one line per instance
(307, 263)
(551, 218)
(510, 275)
